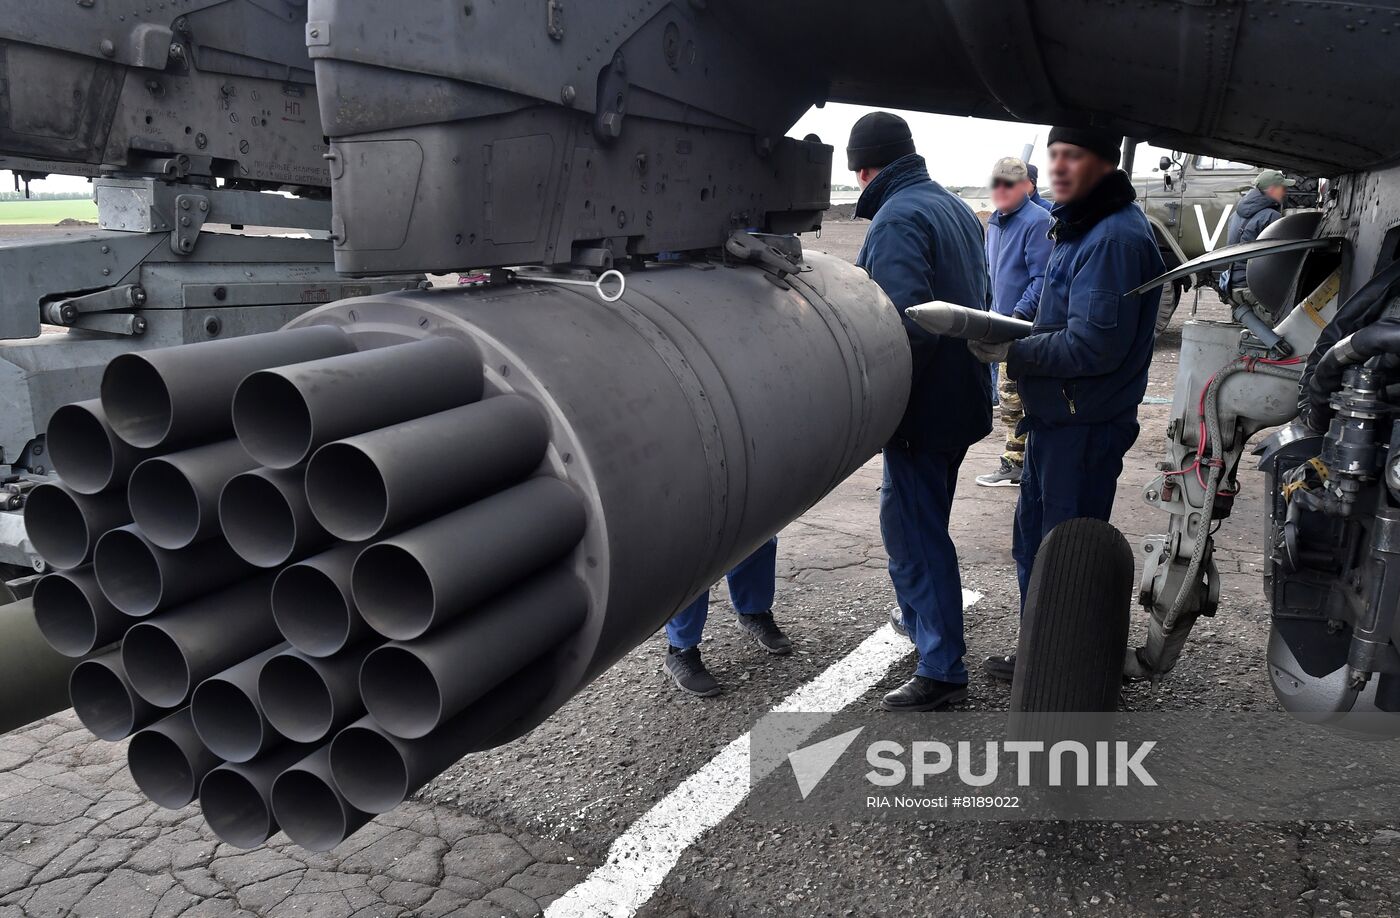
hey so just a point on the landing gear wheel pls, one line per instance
(1074, 632)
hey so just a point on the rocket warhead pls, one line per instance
(967, 323)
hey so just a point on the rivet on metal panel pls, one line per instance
(556, 20)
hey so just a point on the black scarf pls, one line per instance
(1075, 218)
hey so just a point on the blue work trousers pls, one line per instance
(750, 589)
(916, 502)
(1069, 472)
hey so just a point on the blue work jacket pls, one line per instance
(1087, 362)
(924, 244)
(1018, 249)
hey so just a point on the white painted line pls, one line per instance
(641, 857)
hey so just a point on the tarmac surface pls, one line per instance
(510, 831)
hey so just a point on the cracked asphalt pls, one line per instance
(76, 838)
(504, 833)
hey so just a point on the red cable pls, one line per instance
(1202, 433)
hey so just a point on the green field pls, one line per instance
(46, 213)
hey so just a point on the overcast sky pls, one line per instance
(960, 151)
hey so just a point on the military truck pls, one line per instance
(1189, 204)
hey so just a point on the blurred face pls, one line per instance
(865, 176)
(1277, 192)
(1007, 195)
(1074, 171)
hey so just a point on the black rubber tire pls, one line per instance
(1074, 631)
(1166, 306)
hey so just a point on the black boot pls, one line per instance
(1000, 666)
(924, 694)
(766, 632)
(688, 671)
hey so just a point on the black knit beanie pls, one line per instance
(1104, 143)
(877, 140)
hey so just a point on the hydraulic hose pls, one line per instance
(1261, 330)
(1383, 337)
(1362, 308)
(1164, 639)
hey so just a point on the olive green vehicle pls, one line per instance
(1189, 203)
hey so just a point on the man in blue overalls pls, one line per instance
(1083, 373)
(924, 244)
(751, 591)
(1018, 249)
